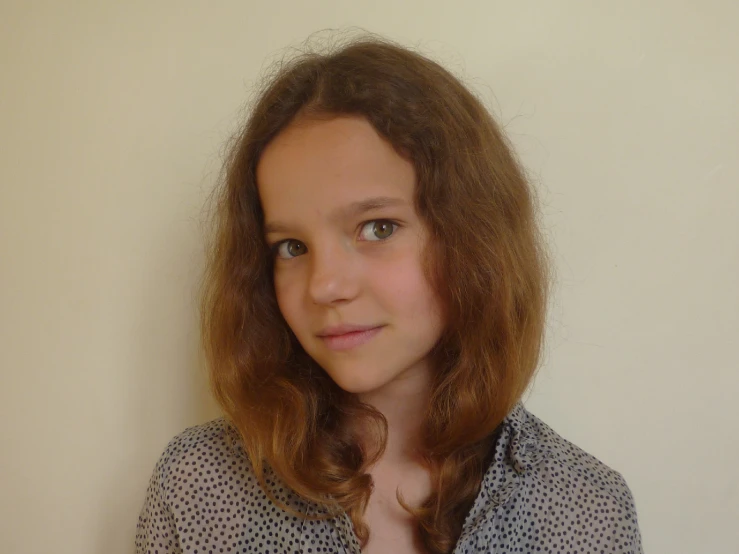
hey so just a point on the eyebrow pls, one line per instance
(355, 209)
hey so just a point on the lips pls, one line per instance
(339, 330)
(347, 337)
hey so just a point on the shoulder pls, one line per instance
(204, 493)
(574, 495)
(206, 437)
(208, 453)
(564, 461)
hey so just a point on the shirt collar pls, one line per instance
(517, 451)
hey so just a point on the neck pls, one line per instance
(403, 403)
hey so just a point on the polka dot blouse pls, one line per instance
(539, 494)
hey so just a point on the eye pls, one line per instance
(289, 248)
(379, 229)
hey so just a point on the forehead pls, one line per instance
(317, 165)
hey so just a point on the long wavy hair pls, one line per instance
(486, 260)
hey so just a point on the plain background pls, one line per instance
(113, 117)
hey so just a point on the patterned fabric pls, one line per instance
(540, 494)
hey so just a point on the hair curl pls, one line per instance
(486, 260)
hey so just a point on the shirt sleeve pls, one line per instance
(626, 537)
(156, 530)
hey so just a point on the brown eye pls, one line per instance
(380, 229)
(290, 249)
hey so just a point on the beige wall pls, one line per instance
(112, 119)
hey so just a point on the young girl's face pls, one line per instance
(348, 246)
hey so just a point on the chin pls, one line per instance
(355, 384)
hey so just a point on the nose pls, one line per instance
(333, 278)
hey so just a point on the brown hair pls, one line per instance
(486, 260)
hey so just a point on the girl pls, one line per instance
(374, 310)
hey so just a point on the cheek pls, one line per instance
(407, 293)
(287, 300)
